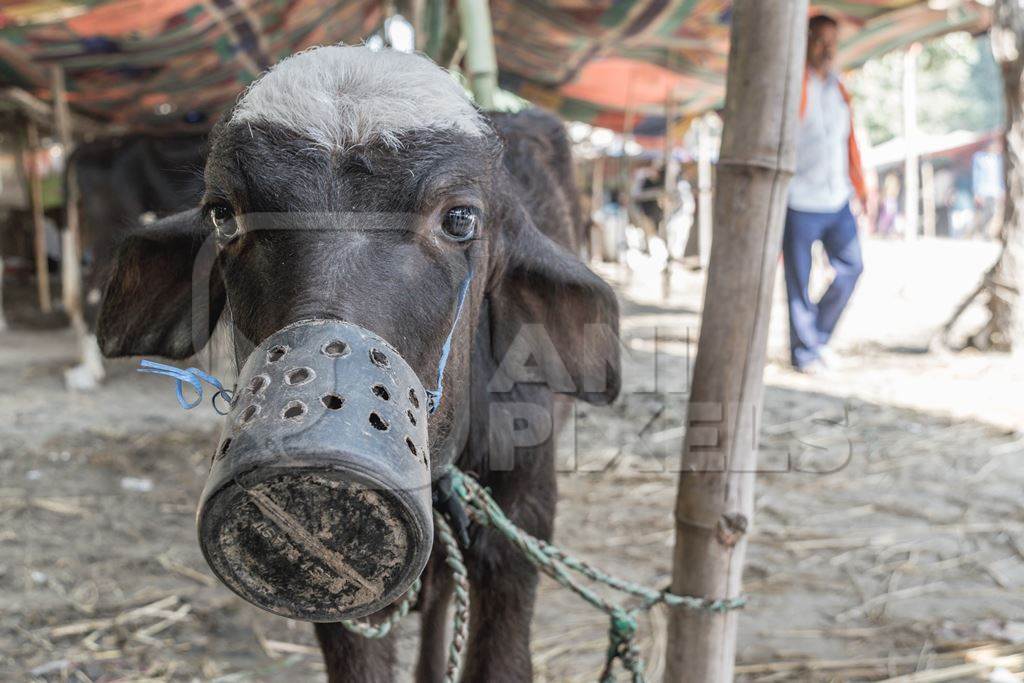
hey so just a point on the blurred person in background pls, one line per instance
(889, 206)
(987, 183)
(828, 174)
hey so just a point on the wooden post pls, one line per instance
(71, 257)
(911, 177)
(704, 191)
(35, 192)
(716, 482)
(928, 199)
(481, 61)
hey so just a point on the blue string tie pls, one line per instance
(194, 377)
(434, 395)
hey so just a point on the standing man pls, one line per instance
(828, 174)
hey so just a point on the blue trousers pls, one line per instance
(811, 323)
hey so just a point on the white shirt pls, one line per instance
(822, 180)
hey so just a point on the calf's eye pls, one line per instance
(459, 223)
(222, 217)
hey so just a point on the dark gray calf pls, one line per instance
(363, 186)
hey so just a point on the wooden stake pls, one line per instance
(35, 191)
(71, 257)
(716, 483)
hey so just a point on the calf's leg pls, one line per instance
(351, 658)
(503, 583)
(434, 621)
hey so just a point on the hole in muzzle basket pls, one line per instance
(294, 410)
(296, 377)
(332, 401)
(378, 422)
(335, 349)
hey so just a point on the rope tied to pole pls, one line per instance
(556, 563)
(561, 566)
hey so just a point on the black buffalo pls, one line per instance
(363, 186)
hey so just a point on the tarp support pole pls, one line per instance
(704, 191)
(35, 193)
(667, 191)
(481, 61)
(911, 177)
(71, 256)
(596, 236)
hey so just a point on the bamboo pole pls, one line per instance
(716, 483)
(71, 259)
(481, 61)
(35, 192)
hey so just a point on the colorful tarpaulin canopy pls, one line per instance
(612, 63)
(164, 62)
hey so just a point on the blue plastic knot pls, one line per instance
(194, 377)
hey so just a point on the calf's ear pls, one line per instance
(164, 293)
(553, 320)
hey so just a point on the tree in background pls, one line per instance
(958, 89)
(1003, 282)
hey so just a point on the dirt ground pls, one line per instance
(895, 544)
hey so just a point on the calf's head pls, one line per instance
(353, 199)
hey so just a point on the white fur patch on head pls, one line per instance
(340, 95)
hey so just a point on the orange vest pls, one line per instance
(856, 165)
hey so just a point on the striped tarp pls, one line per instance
(616, 63)
(612, 63)
(164, 62)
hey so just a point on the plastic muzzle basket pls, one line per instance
(318, 505)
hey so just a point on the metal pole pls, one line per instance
(35, 191)
(481, 61)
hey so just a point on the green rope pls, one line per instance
(554, 562)
(455, 562)
(561, 566)
(368, 630)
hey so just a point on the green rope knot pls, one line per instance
(621, 647)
